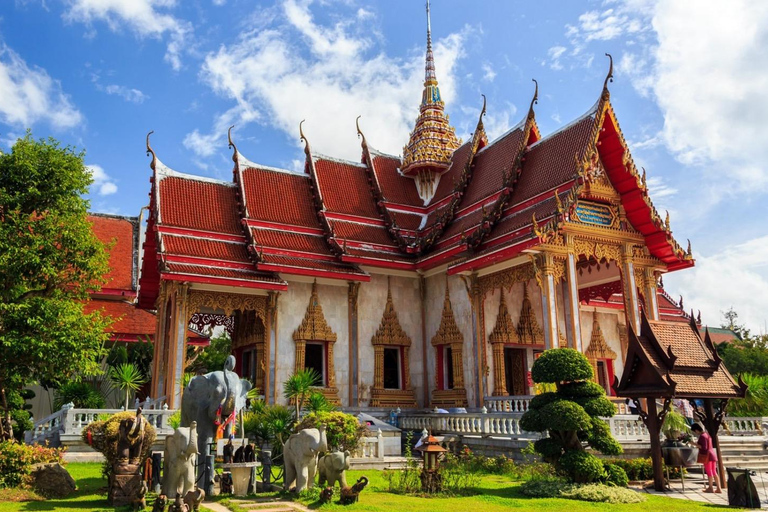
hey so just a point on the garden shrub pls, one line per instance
(640, 469)
(554, 488)
(582, 467)
(405, 481)
(571, 415)
(614, 475)
(81, 394)
(103, 435)
(17, 459)
(342, 430)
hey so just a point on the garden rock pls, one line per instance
(52, 480)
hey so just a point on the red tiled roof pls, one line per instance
(395, 188)
(489, 166)
(292, 241)
(119, 230)
(684, 342)
(353, 231)
(305, 263)
(382, 255)
(227, 273)
(205, 248)
(279, 197)
(449, 179)
(196, 204)
(345, 188)
(128, 318)
(406, 220)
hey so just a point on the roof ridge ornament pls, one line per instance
(535, 99)
(609, 76)
(231, 144)
(483, 111)
(303, 139)
(151, 151)
(359, 131)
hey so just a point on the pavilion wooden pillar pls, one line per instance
(573, 317)
(546, 281)
(270, 349)
(163, 306)
(653, 420)
(631, 301)
(171, 345)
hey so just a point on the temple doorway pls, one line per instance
(392, 368)
(514, 370)
(314, 358)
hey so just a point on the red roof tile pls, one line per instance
(227, 273)
(280, 197)
(196, 204)
(205, 248)
(291, 241)
(305, 263)
(395, 188)
(129, 319)
(684, 342)
(353, 231)
(490, 164)
(345, 188)
(449, 179)
(119, 230)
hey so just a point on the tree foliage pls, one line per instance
(210, 358)
(50, 260)
(571, 415)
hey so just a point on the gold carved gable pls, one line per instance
(390, 331)
(528, 330)
(227, 302)
(506, 278)
(504, 330)
(314, 327)
(448, 332)
(598, 348)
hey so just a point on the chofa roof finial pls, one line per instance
(535, 99)
(359, 131)
(303, 138)
(482, 112)
(231, 144)
(151, 151)
(609, 76)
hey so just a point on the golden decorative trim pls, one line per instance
(506, 278)
(528, 330)
(228, 302)
(448, 333)
(504, 330)
(456, 397)
(390, 331)
(562, 341)
(598, 348)
(597, 249)
(314, 326)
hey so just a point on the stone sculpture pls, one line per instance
(179, 455)
(160, 503)
(350, 495)
(300, 455)
(131, 439)
(194, 498)
(213, 399)
(178, 505)
(229, 449)
(250, 453)
(125, 483)
(326, 495)
(140, 503)
(332, 468)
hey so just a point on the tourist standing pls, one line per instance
(707, 456)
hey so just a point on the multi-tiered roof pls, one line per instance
(488, 203)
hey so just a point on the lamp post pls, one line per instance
(431, 479)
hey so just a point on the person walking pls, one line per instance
(707, 457)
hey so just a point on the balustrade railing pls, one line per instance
(71, 421)
(518, 403)
(755, 426)
(371, 447)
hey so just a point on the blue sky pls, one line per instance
(691, 95)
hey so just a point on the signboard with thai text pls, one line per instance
(594, 213)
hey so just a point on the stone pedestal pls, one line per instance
(125, 484)
(241, 475)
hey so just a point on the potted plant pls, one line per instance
(674, 426)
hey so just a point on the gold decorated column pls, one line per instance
(301, 348)
(629, 285)
(378, 370)
(353, 291)
(499, 380)
(573, 317)
(545, 277)
(457, 354)
(649, 289)
(331, 366)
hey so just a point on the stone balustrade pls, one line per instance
(371, 447)
(71, 421)
(518, 403)
(745, 426)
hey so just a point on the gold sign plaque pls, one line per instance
(597, 214)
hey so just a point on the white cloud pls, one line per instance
(497, 122)
(735, 276)
(30, 95)
(489, 74)
(102, 184)
(141, 16)
(554, 54)
(270, 75)
(127, 93)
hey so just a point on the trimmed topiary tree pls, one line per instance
(571, 415)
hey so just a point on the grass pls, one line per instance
(494, 494)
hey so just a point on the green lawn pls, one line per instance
(496, 493)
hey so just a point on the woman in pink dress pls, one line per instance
(710, 466)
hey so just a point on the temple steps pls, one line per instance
(744, 452)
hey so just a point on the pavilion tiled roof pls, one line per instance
(668, 359)
(295, 206)
(198, 204)
(123, 233)
(395, 187)
(205, 248)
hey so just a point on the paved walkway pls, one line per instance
(257, 505)
(695, 485)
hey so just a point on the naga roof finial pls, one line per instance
(609, 76)
(535, 99)
(482, 112)
(151, 151)
(302, 138)
(359, 131)
(231, 145)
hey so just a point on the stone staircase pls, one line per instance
(747, 452)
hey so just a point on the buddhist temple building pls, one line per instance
(434, 278)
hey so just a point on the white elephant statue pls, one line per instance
(300, 455)
(179, 461)
(332, 468)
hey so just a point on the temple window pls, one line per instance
(248, 338)
(391, 348)
(601, 357)
(314, 341)
(449, 346)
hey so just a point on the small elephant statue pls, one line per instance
(300, 456)
(349, 495)
(131, 439)
(332, 468)
(160, 503)
(326, 495)
(194, 498)
(179, 457)
(178, 505)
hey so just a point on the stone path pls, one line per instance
(256, 505)
(695, 485)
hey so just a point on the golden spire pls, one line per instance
(433, 140)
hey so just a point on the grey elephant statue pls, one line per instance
(179, 457)
(332, 468)
(300, 456)
(213, 399)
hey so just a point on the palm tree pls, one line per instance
(126, 377)
(299, 385)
